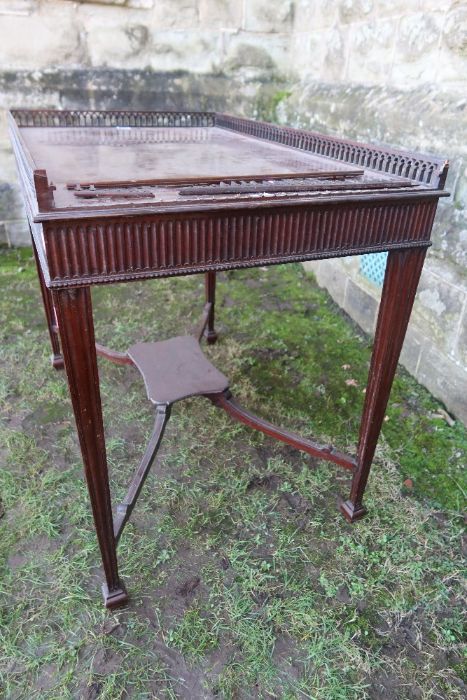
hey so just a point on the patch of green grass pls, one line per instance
(194, 635)
(245, 581)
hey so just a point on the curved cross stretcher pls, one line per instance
(176, 369)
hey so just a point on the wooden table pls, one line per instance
(123, 196)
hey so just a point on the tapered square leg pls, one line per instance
(400, 285)
(210, 290)
(75, 322)
(57, 357)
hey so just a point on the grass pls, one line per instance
(245, 581)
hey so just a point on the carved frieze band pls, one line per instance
(112, 248)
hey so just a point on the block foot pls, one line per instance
(211, 337)
(352, 512)
(57, 362)
(116, 598)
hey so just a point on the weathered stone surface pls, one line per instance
(268, 15)
(421, 345)
(445, 379)
(427, 119)
(411, 350)
(310, 15)
(139, 4)
(248, 58)
(221, 14)
(132, 89)
(7, 198)
(120, 3)
(372, 66)
(179, 15)
(17, 233)
(35, 40)
(17, 7)
(418, 34)
(321, 53)
(455, 30)
(417, 41)
(360, 306)
(461, 350)
(439, 306)
(330, 276)
(354, 10)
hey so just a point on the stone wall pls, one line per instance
(396, 72)
(378, 70)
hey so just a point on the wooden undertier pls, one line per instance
(176, 369)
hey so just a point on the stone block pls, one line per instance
(371, 48)
(268, 15)
(11, 203)
(199, 52)
(18, 7)
(180, 16)
(350, 264)
(450, 67)
(411, 350)
(416, 48)
(17, 232)
(310, 15)
(461, 349)
(114, 36)
(8, 172)
(452, 61)
(330, 275)
(460, 191)
(354, 10)
(455, 30)
(43, 38)
(361, 306)
(174, 14)
(125, 40)
(433, 5)
(140, 4)
(320, 54)
(120, 3)
(222, 14)
(446, 380)
(445, 270)
(396, 8)
(248, 56)
(438, 308)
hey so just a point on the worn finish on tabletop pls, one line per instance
(121, 196)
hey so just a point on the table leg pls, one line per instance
(74, 312)
(210, 289)
(400, 284)
(57, 357)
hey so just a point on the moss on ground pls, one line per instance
(245, 581)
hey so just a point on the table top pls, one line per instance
(166, 155)
(83, 163)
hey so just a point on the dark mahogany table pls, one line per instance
(123, 196)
